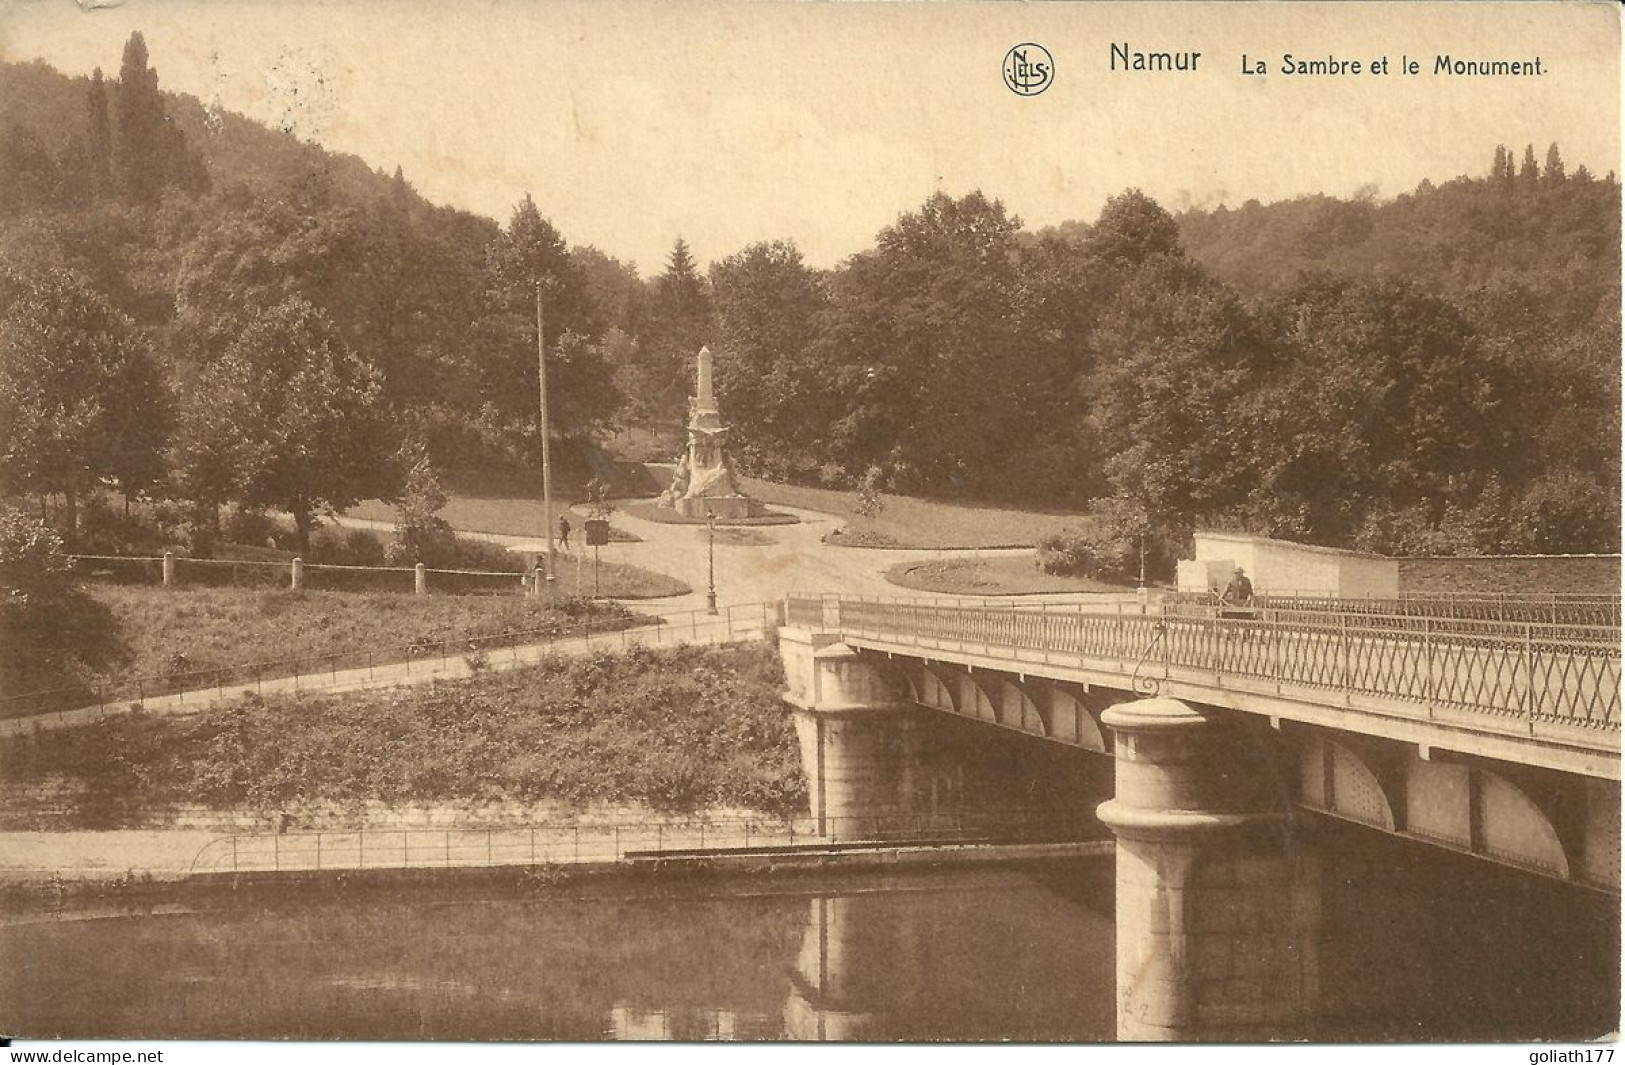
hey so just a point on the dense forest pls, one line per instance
(194, 307)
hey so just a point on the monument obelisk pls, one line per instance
(704, 483)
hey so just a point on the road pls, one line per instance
(795, 560)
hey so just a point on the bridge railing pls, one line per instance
(1553, 609)
(1527, 670)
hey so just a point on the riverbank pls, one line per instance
(47, 894)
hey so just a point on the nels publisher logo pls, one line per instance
(1028, 69)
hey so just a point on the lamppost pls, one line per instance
(710, 561)
(1139, 589)
(547, 466)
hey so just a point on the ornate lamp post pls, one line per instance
(711, 561)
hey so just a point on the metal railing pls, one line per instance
(550, 844)
(315, 576)
(1527, 670)
(1550, 609)
(185, 685)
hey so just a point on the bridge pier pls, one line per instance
(864, 746)
(1218, 903)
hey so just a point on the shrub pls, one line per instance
(1108, 543)
(870, 502)
(249, 526)
(48, 626)
(678, 729)
(421, 534)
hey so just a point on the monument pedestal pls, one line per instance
(724, 508)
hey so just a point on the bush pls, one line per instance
(49, 628)
(147, 529)
(333, 546)
(255, 527)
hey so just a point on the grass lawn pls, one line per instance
(990, 576)
(918, 523)
(196, 638)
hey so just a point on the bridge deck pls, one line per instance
(1540, 693)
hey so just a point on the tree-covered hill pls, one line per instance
(235, 150)
(304, 328)
(1549, 231)
(200, 309)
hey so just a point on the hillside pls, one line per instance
(235, 150)
(1559, 237)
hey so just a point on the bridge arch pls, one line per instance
(975, 699)
(1469, 808)
(1335, 779)
(1071, 721)
(1018, 709)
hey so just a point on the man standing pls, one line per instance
(1239, 592)
(564, 533)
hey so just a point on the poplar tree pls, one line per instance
(1529, 173)
(1554, 166)
(100, 150)
(138, 125)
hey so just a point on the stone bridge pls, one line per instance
(1494, 736)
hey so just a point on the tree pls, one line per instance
(30, 179)
(532, 252)
(678, 323)
(421, 534)
(260, 252)
(99, 147)
(529, 254)
(138, 130)
(1133, 228)
(80, 397)
(1179, 355)
(922, 348)
(1389, 402)
(1554, 166)
(287, 417)
(767, 305)
(149, 152)
(1529, 173)
(49, 628)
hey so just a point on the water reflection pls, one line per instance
(962, 955)
(1418, 944)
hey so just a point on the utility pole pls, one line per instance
(547, 465)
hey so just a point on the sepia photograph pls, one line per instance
(906, 522)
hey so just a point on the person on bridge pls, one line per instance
(564, 533)
(1239, 592)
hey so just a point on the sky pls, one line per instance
(633, 123)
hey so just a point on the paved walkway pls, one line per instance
(795, 561)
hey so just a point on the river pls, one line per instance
(1418, 945)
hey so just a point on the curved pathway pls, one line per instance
(795, 562)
